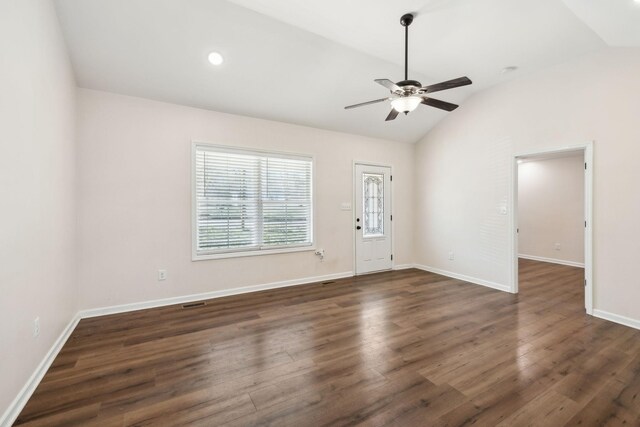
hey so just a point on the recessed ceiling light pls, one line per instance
(215, 58)
(509, 69)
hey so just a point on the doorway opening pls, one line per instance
(373, 245)
(551, 224)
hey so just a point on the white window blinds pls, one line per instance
(250, 201)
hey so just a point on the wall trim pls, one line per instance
(616, 318)
(552, 260)
(124, 308)
(14, 409)
(474, 280)
(403, 266)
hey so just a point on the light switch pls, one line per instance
(345, 206)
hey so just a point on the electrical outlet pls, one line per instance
(557, 246)
(162, 275)
(36, 327)
(452, 256)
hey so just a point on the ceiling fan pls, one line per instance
(407, 94)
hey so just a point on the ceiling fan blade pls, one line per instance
(388, 84)
(392, 115)
(449, 84)
(362, 104)
(439, 104)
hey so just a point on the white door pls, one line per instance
(373, 218)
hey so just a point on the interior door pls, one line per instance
(372, 218)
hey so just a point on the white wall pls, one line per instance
(551, 209)
(135, 199)
(37, 199)
(463, 169)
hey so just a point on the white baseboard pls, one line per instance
(12, 412)
(403, 266)
(115, 309)
(552, 260)
(469, 279)
(626, 321)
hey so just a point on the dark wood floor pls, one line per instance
(404, 348)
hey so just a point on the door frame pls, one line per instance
(353, 211)
(587, 148)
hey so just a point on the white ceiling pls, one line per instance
(303, 61)
(617, 22)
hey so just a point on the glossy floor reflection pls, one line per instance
(405, 348)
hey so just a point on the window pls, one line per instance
(373, 204)
(250, 202)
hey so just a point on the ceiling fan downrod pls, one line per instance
(406, 20)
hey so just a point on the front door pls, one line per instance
(373, 218)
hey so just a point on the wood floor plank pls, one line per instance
(78, 416)
(401, 348)
(548, 409)
(607, 409)
(194, 408)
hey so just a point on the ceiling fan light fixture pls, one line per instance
(406, 104)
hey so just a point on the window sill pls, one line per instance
(239, 254)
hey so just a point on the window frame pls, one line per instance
(253, 251)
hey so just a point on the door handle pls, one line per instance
(358, 227)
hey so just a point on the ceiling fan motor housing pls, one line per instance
(409, 85)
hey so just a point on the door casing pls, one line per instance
(587, 147)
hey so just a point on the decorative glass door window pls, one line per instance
(373, 204)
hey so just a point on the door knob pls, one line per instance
(358, 227)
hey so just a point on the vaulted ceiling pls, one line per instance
(303, 61)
